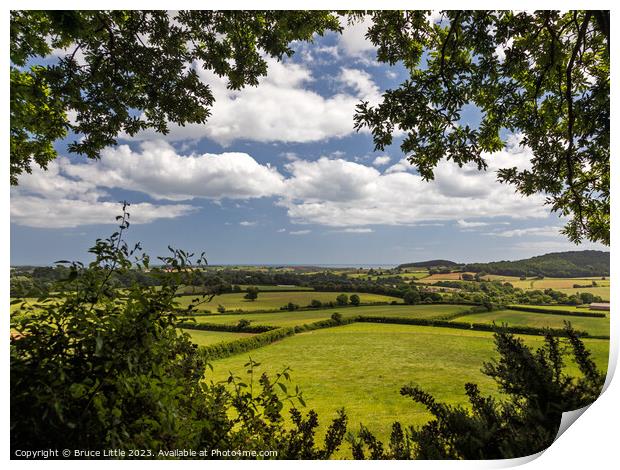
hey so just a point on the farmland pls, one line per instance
(359, 357)
(203, 337)
(593, 326)
(362, 366)
(285, 318)
(275, 300)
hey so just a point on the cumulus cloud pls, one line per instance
(353, 42)
(160, 172)
(328, 191)
(356, 230)
(282, 108)
(340, 193)
(52, 200)
(403, 165)
(380, 161)
(465, 224)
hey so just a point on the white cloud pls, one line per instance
(248, 223)
(547, 231)
(464, 224)
(340, 193)
(52, 200)
(403, 165)
(546, 246)
(353, 42)
(281, 230)
(329, 191)
(282, 108)
(380, 161)
(356, 230)
(160, 172)
(299, 232)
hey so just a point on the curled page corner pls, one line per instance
(568, 418)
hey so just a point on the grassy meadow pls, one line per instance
(275, 300)
(593, 326)
(363, 366)
(286, 318)
(205, 338)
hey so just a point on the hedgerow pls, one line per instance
(549, 311)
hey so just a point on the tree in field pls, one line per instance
(538, 391)
(251, 293)
(412, 296)
(542, 75)
(124, 71)
(354, 300)
(342, 299)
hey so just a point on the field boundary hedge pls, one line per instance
(549, 311)
(527, 330)
(222, 350)
(229, 328)
(199, 313)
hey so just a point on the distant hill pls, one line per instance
(429, 264)
(566, 264)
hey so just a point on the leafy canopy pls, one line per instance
(120, 72)
(543, 76)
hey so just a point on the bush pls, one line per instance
(315, 303)
(337, 317)
(354, 300)
(342, 299)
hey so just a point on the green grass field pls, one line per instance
(271, 288)
(205, 338)
(275, 300)
(565, 308)
(286, 318)
(594, 326)
(602, 291)
(362, 366)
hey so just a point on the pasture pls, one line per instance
(286, 318)
(603, 292)
(275, 300)
(206, 338)
(362, 366)
(594, 326)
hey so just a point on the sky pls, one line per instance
(278, 175)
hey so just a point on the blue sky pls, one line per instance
(278, 175)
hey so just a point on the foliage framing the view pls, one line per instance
(124, 71)
(543, 75)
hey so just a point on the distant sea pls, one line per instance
(311, 265)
